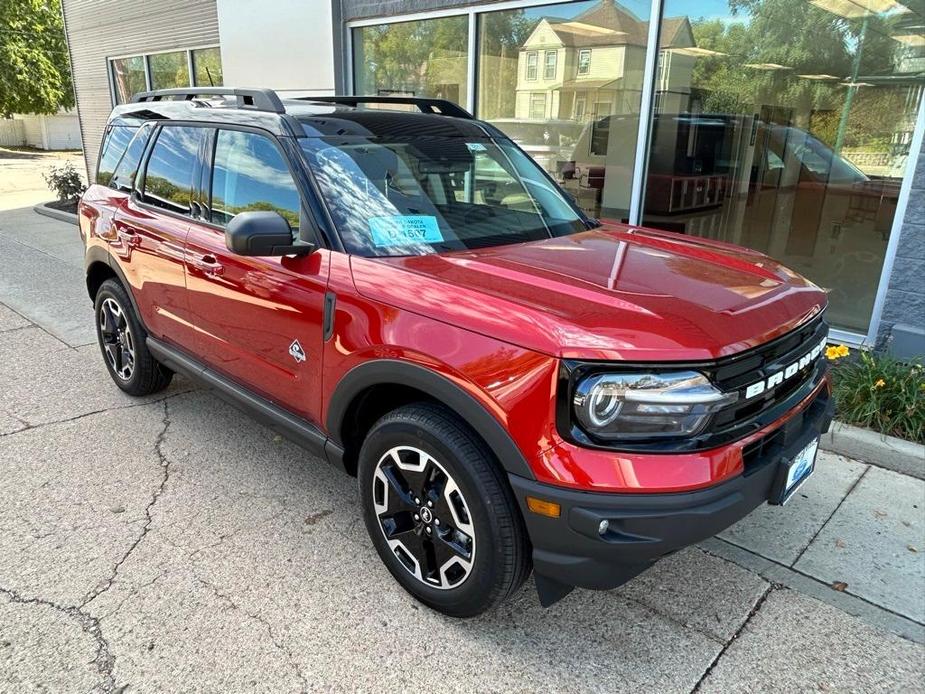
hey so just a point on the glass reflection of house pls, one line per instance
(591, 65)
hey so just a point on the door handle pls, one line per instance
(129, 237)
(209, 265)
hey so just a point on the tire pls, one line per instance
(122, 343)
(466, 552)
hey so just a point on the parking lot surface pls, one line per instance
(173, 544)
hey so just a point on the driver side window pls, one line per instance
(249, 173)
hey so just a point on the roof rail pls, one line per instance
(254, 99)
(436, 106)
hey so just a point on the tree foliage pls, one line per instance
(35, 75)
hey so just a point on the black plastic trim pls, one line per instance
(394, 372)
(249, 99)
(440, 107)
(330, 305)
(643, 527)
(290, 425)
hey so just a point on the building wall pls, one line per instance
(905, 298)
(99, 29)
(286, 45)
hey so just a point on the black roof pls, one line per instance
(339, 116)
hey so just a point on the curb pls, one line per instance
(60, 215)
(870, 447)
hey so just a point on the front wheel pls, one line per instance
(439, 511)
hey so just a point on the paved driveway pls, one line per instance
(173, 544)
(21, 170)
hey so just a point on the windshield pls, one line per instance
(411, 196)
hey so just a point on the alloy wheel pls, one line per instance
(118, 341)
(424, 517)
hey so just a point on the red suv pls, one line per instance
(516, 386)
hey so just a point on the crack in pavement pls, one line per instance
(104, 661)
(274, 639)
(165, 468)
(117, 408)
(757, 606)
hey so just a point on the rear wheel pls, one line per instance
(122, 343)
(439, 511)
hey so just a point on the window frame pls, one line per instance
(584, 52)
(546, 65)
(532, 57)
(146, 63)
(533, 96)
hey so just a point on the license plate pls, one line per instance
(800, 469)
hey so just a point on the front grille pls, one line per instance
(740, 371)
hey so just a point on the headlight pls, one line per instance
(644, 405)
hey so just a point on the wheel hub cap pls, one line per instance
(424, 517)
(117, 340)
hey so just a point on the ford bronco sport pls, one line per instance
(516, 386)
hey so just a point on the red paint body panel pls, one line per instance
(616, 293)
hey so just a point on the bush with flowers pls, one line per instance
(878, 392)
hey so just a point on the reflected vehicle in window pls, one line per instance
(697, 161)
(516, 386)
(549, 142)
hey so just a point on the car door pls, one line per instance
(151, 227)
(258, 319)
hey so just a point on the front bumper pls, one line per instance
(570, 551)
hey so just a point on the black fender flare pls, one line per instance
(97, 254)
(393, 371)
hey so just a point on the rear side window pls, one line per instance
(250, 173)
(124, 176)
(114, 146)
(169, 175)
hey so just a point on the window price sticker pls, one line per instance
(404, 230)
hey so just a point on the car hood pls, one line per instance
(615, 292)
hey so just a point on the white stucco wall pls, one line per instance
(287, 45)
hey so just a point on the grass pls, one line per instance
(878, 392)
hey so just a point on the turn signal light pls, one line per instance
(543, 508)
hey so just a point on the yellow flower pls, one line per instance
(831, 353)
(880, 383)
(842, 351)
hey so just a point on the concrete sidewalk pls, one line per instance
(174, 544)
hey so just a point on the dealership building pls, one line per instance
(793, 127)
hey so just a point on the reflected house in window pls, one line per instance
(599, 62)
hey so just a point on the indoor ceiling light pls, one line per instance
(767, 66)
(819, 77)
(911, 39)
(852, 9)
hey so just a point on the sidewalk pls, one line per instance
(174, 544)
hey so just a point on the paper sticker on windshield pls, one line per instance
(476, 146)
(404, 230)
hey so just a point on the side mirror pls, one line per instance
(263, 233)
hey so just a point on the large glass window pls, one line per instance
(169, 70)
(785, 126)
(128, 77)
(249, 173)
(556, 126)
(421, 58)
(115, 143)
(207, 67)
(169, 175)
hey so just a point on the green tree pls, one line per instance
(35, 76)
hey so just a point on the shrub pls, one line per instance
(878, 392)
(65, 181)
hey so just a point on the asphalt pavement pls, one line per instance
(173, 544)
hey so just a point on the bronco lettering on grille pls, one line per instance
(789, 371)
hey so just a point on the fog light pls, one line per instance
(602, 528)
